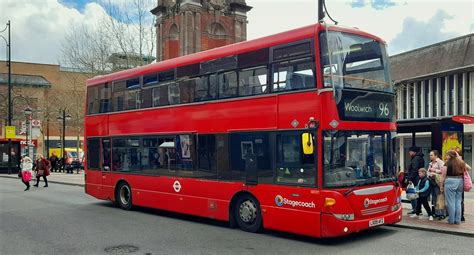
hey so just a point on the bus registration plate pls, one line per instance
(376, 222)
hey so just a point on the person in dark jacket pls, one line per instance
(423, 190)
(416, 163)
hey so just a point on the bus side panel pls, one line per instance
(93, 184)
(299, 107)
(210, 117)
(205, 198)
(280, 212)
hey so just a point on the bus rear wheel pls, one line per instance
(123, 196)
(247, 213)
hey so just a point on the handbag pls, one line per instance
(440, 202)
(467, 181)
(26, 176)
(19, 173)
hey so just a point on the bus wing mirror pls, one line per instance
(308, 143)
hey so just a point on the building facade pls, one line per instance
(189, 26)
(46, 90)
(434, 84)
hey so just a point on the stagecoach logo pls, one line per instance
(280, 201)
(176, 186)
(368, 202)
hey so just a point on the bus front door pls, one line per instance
(107, 185)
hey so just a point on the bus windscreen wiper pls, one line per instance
(368, 181)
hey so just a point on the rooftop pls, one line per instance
(25, 80)
(442, 57)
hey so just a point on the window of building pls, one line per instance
(228, 84)
(293, 166)
(427, 98)
(93, 99)
(206, 88)
(468, 94)
(93, 153)
(443, 96)
(451, 95)
(293, 75)
(411, 89)
(253, 81)
(434, 98)
(460, 94)
(404, 101)
(418, 99)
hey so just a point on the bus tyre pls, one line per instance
(123, 196)
(247, 214)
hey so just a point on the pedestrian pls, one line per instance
(434, 176)
(26, 171)
(467, 168)
(416, 163)
(54, 162)
(42, 170)
(423, 190)
(452, 186)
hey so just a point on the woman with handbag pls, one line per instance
(453, 186)
(434, 173)
(42, 170)
(26, 171)
(466, 182)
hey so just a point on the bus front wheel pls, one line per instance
(248, 214)
(123, 196)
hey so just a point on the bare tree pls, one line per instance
(125, 38)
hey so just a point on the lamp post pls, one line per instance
(63, 117)
(28, 113)
(9, 64)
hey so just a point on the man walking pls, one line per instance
(416, 163)
(54, 162)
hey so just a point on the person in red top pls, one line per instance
(42, 169)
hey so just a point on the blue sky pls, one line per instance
(39, 26)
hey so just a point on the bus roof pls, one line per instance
(231, 49)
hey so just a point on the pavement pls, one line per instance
(419, 223)
(59, 178)
(62, 219)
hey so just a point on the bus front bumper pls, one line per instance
(332, 226)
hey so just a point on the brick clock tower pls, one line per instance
(188, 26)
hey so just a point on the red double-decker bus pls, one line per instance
(291, 132)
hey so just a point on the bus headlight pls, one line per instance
(344, 216)
(395, 207)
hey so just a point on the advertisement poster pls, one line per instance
(452, 139)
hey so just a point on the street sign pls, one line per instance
(10, 132)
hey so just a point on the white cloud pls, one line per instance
(269, 17)
(38, 26)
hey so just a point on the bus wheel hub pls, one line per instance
(248, 211)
